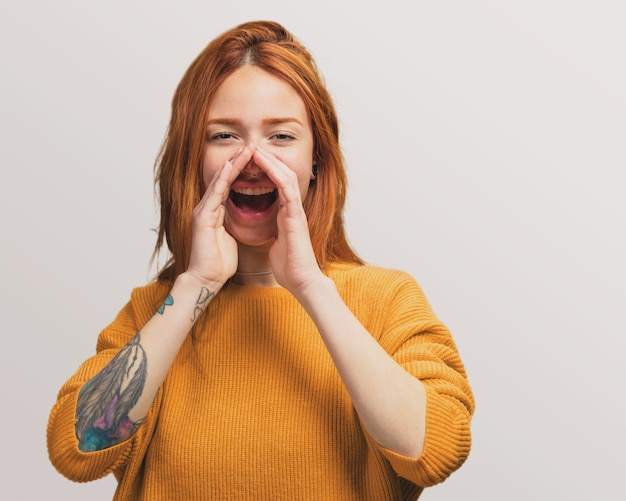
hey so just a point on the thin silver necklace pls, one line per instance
(253, 273)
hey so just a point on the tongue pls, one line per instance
(253, 203)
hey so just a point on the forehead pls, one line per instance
(251, 90)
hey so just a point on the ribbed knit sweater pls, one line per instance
(253, 407)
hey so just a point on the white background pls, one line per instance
(486, 150)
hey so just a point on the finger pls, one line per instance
(219, 188)
(283, 177)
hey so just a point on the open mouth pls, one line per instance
(253, 199)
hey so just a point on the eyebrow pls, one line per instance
(265, 121)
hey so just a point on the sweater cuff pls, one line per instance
(63, 449)
(447, 443)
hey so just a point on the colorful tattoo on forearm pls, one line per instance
(105, 401)
(169, 301)
(202, 302)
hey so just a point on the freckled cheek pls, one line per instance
(211, 165)
(296, 161)
(302, 168)
(209, 170)
(304, 179)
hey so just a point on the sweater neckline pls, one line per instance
(255, 291)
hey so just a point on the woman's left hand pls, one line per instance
(292, 257)
(390, 402)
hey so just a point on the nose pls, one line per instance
(252, 169)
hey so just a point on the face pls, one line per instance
(255, 108)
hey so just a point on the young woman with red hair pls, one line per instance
(266, 360)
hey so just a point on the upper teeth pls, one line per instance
(254, 190)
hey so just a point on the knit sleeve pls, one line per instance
(62, 443)
(421, 344)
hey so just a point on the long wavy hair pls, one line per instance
(178, 169)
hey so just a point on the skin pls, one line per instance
(262, 122)
(258, 126)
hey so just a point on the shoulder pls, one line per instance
(141, 305)
(366, 276)
(376, 286)
(388, 302)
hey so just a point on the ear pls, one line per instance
(314, 172)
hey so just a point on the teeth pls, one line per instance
(254, 190)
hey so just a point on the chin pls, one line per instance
(254, 237)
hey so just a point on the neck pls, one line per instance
(254, 267)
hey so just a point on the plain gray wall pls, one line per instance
(485, 146)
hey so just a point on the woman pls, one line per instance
(266, 361)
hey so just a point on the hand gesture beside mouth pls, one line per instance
(213, 258)
(291, 255)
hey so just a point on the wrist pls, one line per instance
(189, 281)
(313, 288)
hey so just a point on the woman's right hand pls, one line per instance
(213, 258)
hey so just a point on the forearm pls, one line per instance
(391, 403)
(112, 405)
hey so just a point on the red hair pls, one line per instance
(178, 177)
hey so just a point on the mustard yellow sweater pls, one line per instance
(253, 407)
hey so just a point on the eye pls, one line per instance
(283, 136)
(222, 136)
